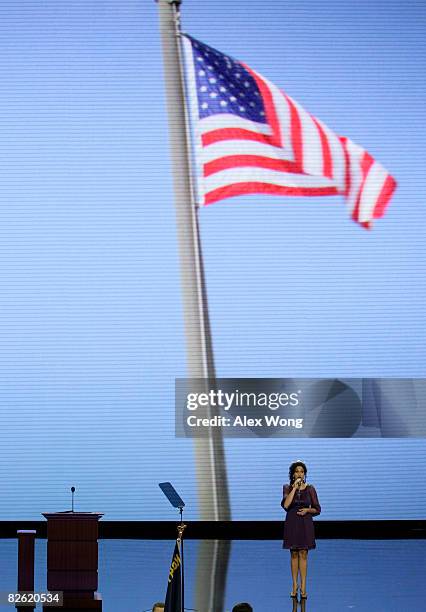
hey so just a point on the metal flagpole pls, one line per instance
(210, 461)
(209, 452)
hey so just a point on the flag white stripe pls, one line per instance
(337, 155)
(232, 176)
(243, 147)
(194, 126)
(313, 162)
(282, 111)
(373, 185)
(225, 120)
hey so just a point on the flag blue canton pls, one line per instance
(225, 86)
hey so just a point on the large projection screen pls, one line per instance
(91, 324)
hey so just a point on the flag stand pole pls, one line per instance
(181, 528)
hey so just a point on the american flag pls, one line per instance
(251, 137)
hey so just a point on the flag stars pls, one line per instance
(225, 86)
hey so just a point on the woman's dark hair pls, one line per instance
(293, 467)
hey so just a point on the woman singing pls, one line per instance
(300, 501)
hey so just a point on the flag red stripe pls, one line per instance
(268, 103)
(237, 189)
(233, 161)
(384, 197)
(343, 141)
(233, 134)
(365, 165)
(296, 133)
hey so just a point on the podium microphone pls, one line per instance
(72, 498)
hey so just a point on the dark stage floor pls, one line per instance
(356, 575)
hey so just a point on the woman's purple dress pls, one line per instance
(299, 530)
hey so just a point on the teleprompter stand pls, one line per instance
(177, 502)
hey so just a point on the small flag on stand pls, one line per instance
(251, 137)
(174, 586)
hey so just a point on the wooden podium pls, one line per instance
(72, 560)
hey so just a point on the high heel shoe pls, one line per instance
(303, 595)
(294, 593)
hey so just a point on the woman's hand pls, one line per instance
(303, 511)
(297, 483)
